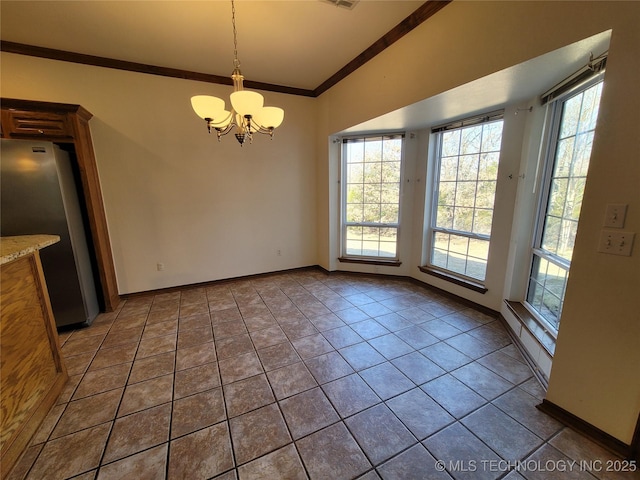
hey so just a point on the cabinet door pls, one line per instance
(24, 124)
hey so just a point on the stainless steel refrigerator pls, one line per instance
(38, 195)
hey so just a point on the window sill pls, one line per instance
(463, 282)
(370, 261)
(533, 326)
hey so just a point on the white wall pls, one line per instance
(595, 371)
(172, 193)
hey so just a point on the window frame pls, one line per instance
(344, 224)
(554, 124)
(436, 270)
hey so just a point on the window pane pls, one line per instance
(372, 213)
(546, 290)
(477, 261)
(372, 172)
(565, 184)
(584, 143)
(466, 182)
(466, 194)
(468, 167)
(564, 157)
(551, 237)
(458, 244)
(445, 217)
(459, 254)
(391, 172)
(482, 221)
(485, 194)
(448, 169)
(389, 213)
(463, 219)
(471, 139)
(590, 107)
(372, 193)
(570, 117)
(355, 152)
(392, 149)
(388, 242)
(488, 168)
(355, 193)
(354, 213)
(373, 150)
(558, 197)
(447, 193)
(354, 240)
(355, 173)
(389, 193)
(371, 169)
(451, 143)
(492, 137)
(575, 192)
(373, 242)
(440, 249)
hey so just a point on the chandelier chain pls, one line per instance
(236, 62)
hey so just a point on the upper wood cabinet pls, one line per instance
(69, 124)
(29, 124)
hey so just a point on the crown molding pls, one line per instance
(421, 14)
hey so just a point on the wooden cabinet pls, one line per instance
(31, 366)
(69, 124)
(29, 124)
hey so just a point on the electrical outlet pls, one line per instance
(160, 266)
(616, 242)
(615, 215)
(279, 252)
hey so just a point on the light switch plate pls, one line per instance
(615, 215)
(616, 242)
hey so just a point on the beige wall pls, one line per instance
(172, 193)
(595, 373)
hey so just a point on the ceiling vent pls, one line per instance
(348, 4)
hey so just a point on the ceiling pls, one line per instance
(293, 43)
(298, 44)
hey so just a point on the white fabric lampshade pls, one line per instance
(207, 106)
(246, 102)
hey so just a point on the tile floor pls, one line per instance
(302, 375)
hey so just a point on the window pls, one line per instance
(371, 197)
(573, 127)
(467, 158)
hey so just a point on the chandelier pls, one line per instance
(248, 114)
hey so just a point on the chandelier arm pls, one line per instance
(225, 130)
(213, 124)
(258, 128)
(264, 130)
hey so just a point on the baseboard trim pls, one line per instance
(593, 433)
(211, 283)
